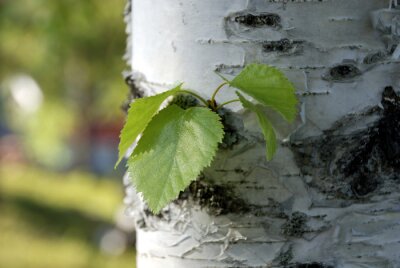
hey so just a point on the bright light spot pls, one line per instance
(113, 242)
(26, 93)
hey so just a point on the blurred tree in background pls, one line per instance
(72, 50)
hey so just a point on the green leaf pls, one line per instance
(139, 115)
(174, 149)
(270, 87)
(266, 127)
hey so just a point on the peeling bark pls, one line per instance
(330, 197)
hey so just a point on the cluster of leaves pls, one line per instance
(177, 144)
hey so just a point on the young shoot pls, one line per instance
(176, 144)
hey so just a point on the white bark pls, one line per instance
(315, 203)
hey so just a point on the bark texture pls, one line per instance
(330, 197)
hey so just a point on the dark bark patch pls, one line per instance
(229, 69)
(296, 225)
(285, 257)
(310, 265)
(362, 164)
(284, 45)
(375, 57)
(218, 199)
(352, 164)
(363, 184)
(134, 91)
(184, 101)
(389, 126)
(379, 150)
(259, 20)
(233, 126)
(342, 72)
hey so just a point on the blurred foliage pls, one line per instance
(53, 220)
(82, 191)
(46, 133)
(73, 49)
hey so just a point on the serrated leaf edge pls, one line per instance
(122, 154)
(212, 156)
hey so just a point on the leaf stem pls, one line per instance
(225, 103)
(194, 94)
(216, 91)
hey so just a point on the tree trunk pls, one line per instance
(330, 197)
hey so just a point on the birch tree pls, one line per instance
(330, 196)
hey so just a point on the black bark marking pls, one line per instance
(389, 126)
(362, 164)
(375, 57)
(283, 45)
(382, 147)
(218, 199)
(296, 225)
(184, 101)
(357, 163)
(134, 91)
(310, 265)
(233, 126)
(228, 69)
(343, 72)
(259, 20)
(285, 257)
(363, 184)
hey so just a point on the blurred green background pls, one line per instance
(61, 90)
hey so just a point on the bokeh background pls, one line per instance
(61, 90)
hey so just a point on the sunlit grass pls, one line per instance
(76, 190)
(23, 246)
(54, 220)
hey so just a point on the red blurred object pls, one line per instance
(11, 149)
